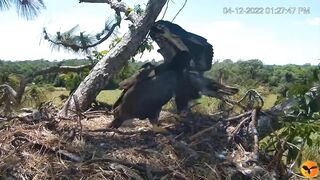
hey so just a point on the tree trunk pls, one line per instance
(103, 71)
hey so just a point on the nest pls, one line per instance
(196, 147)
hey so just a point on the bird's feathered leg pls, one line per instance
(182, 105)
(117, 122)
(185, 93)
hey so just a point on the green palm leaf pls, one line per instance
(4, 5)
(28, 9)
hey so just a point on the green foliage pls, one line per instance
(50, 88)
(300, 123)
(128, 70)
(145, 45)
(71, 40)
(14, 80)
(98, 55)
(286, 80)
(11, 72)
(28, 9)
(113, 43)
(34, 96)
(71, 80)
(300, 129)
(138, 9)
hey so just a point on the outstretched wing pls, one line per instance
(202, 55)
(147, 71)
(199, 48)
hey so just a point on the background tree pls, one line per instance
(121, 50)
(114, 61)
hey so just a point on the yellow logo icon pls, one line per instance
(309, 169)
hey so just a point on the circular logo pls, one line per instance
(309, 169)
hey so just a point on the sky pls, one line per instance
(287, 31)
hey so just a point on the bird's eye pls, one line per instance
(158, 29)
(159, 26)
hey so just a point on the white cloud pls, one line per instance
(314, 21)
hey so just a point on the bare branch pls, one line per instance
(55, 69)
(184, 4)
(61, 69)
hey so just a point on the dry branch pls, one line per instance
(252, 125)
(200, 133)
(55, 69)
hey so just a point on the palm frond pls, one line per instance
(4, 5)
(70, 40)
(29, 9)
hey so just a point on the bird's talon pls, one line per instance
(158, 129)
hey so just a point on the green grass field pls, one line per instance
(106, 96)
(204, 105)
(269, 101)
(109, 96)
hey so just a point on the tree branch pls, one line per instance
(75, 46)
(55, 69)
(61, 69)
(112, 63)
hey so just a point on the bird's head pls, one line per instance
(166, 31)
(171, 38)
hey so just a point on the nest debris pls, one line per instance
(45, 146)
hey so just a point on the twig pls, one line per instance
(185, 2)
(239, 116)
(255, 134)
(213, 170)
(252, 92)
(166, 8)
(43, 148)
(140, 167)
(200, 133)
(233, 102)
(237, 128)
(113, 130)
